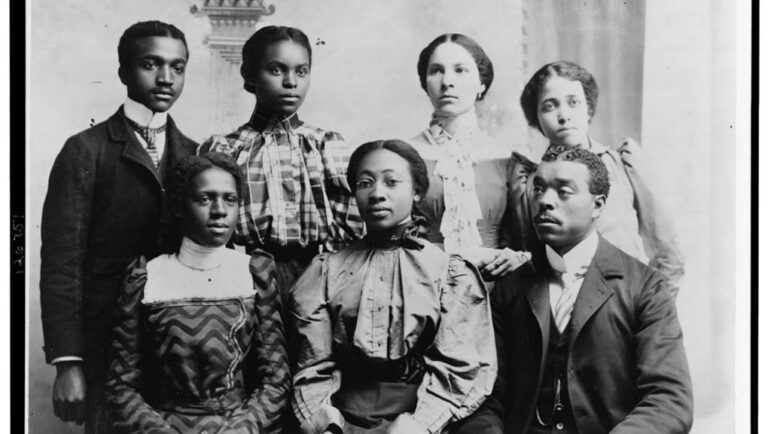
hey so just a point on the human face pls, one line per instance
(282, 79)
(384, 190)
(452, 79)
(155, 75)
(210, 211)
(563, 208)
(563, 112)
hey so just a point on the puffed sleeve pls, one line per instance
(461, 363)
(317, 377)
(222, 144)
(335, 154)
(266, 404)
(520, 231)
(131, 414)
(656, 227)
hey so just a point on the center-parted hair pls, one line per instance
(178, 192)
(255, 47)
(418, 169)
(144, 29)
(598, 173)
(484, 65)
(567, 70)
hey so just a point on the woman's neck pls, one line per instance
(198, 257)
(462, 124)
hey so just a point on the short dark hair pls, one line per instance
(484, 65)
(565, 69)
(598, 173)
(258, 43)
(144, 29)
(418, 169)
(177, 192)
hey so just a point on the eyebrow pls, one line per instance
(280, 63)
(163, 59)
(454, 64)
(371, 173)
(559, 181)
(566, 181)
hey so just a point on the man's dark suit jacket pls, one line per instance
(627, 371)
(103, 207)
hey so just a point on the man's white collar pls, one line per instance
(577, 258)
(142, 115)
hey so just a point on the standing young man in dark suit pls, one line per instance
(587, 337)
(104, 202)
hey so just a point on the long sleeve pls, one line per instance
(335, 154)
(317, 377)
(488, 419)
(656, 228)
(663, 378)
(461, 363)
(266, 404)
(64, 236)
(131, 413)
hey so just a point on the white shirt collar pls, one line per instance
(578, 258)
(142, 115)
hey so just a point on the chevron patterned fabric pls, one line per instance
(193, 365)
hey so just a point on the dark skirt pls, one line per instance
(371, 407)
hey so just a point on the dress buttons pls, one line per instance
(560, 425)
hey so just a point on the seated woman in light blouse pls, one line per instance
(391, 334)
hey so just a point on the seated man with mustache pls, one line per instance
(588, 338)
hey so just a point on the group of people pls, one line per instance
(436, 284)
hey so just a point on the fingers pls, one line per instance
(69, 394)
(80, 411)
(507, 262)
(69, 411)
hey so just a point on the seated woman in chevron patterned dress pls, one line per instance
(199, 343)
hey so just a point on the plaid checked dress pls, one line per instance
(214, 364)
(296, 199)
(295, 191)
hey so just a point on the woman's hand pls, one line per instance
(406, 424)
(501, 262)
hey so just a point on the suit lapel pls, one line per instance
(594, 290)
(538, 298)
(133, 151)
(174, 150)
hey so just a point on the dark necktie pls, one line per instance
(149, 134)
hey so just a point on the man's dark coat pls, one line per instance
(103, 207)
(626, 369)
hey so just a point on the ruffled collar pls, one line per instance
(274, 123)
(461, 128)
(593, 146)
(404, 235)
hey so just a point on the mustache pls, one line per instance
(544, 217)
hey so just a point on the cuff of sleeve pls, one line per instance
(327, 417)
(432, 415)
(63, 359)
